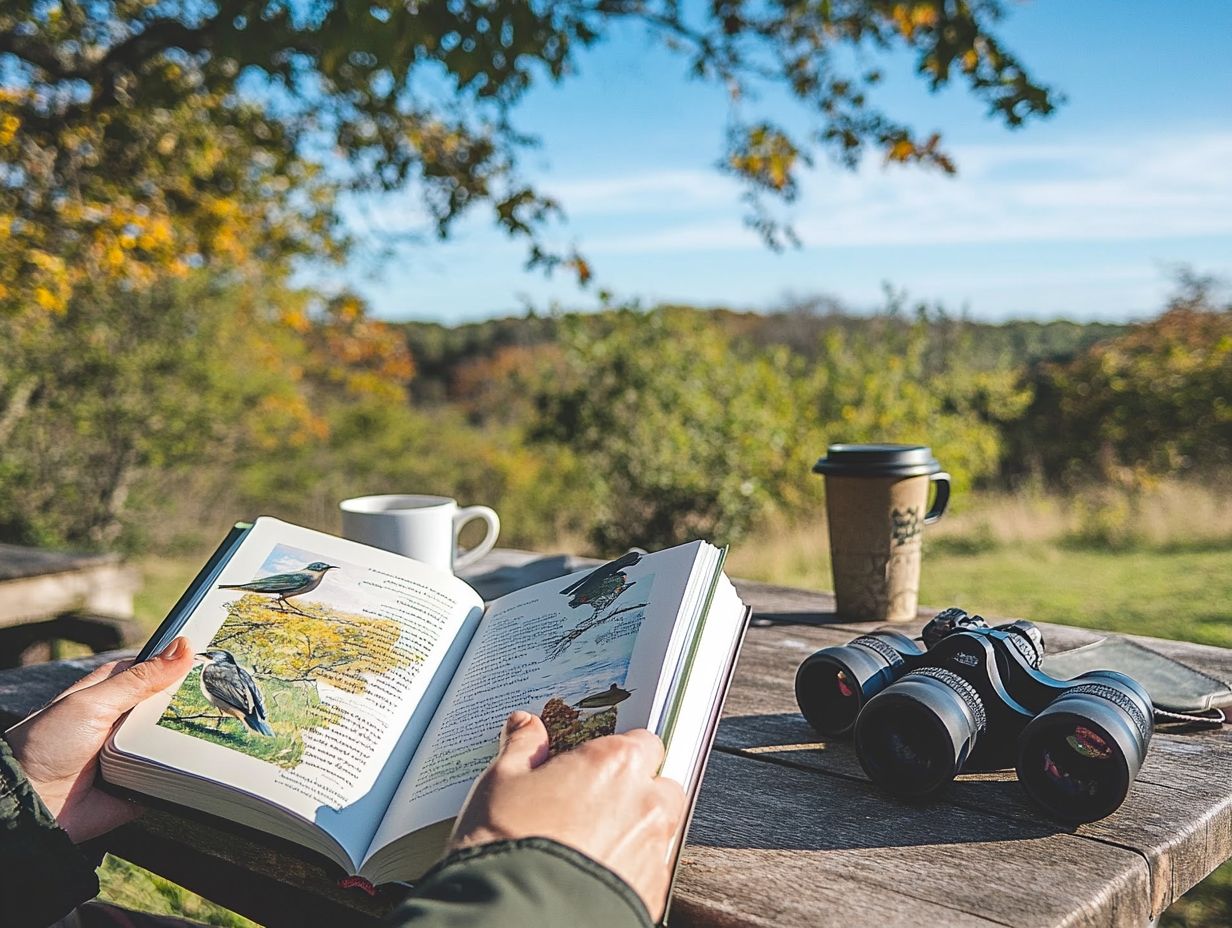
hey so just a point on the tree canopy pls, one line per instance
(139, 137)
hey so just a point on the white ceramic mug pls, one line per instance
(421, 527)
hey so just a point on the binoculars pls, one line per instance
(974, 696)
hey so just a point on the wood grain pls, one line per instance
(1178, 816)
(774, 845)
(788, 830)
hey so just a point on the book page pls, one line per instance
(321, 662)
(584, 652)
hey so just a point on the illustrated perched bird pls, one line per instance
(284, 586)
(231, 690)
(583, 590)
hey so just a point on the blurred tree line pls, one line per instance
(157, 418)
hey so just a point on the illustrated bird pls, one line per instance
(583, 590)
(231, 690)
(605, 699)
(284, 586)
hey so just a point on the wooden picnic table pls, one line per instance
(47, 596)
(787, 830)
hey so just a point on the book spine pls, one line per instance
(192, 596)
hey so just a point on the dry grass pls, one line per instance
(1171, 517)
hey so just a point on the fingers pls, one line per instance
(97, 675)
(121, 691)
(523, 742)
(638, 751)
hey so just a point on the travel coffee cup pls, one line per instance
(877, 507)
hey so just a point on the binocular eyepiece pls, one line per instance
(975, 697)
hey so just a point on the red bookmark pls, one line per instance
(357, 882)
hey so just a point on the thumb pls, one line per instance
(121, 692)
(523, 742)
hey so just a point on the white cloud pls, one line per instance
(1146, 188)
(650, 193)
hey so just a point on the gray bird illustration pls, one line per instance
(284, 586)
(602, 700)
(231, 690)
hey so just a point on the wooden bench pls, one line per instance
(49, 596)
(788, 831)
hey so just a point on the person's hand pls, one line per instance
(603, 798)
(58, 746)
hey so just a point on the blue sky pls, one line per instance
(1084, 215)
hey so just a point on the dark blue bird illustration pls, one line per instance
(585, 589)
(599, 589)
(284, 586)
(231, 690)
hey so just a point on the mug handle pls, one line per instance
(942, 482)
(460, 518)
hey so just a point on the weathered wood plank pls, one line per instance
(22, 561)
(1178, 815)
(24, 689)
(36, 584)
(773, 845)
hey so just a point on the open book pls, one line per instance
(346, 697)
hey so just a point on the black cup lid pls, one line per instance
(880, 460)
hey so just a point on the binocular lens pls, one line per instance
(1079, 756)
(915, 736)
(828, 694)
(1074, 769)
(833, 683)
(907, 754)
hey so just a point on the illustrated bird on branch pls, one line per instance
(284, 586)
(231, 690)
(599, 589)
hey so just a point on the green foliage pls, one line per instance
(1207, 905)
(131, 887)
(131, 394)
(890, 382)
(1156, 400)
(119, 384)
(370, 445)
(680, 434)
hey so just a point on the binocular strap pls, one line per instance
(1214, 719)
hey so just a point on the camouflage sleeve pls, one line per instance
(43, 876)
(532, 881)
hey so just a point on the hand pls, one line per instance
(603, 798)
(58, 747)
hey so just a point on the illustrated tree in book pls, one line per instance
(318, 644)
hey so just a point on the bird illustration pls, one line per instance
(601, 595)
(583, 590)
(284, 586)
(231, 690)
(605, 698)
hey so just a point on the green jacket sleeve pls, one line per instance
(43, 876)
(529, 883)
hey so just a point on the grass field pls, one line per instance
(1157, 564)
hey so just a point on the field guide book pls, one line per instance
(344, 698)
